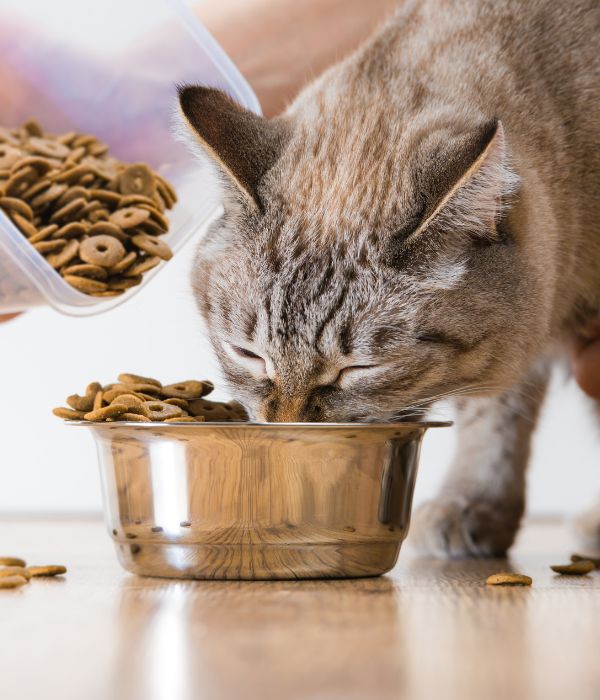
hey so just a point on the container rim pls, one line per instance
(255, 425)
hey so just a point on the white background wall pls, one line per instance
(47, 467)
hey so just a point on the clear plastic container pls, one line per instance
(106, 68)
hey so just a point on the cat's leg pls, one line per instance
(480, 505)
(587, 525)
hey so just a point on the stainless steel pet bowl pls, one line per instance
(258, 501)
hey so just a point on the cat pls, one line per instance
(423, 221)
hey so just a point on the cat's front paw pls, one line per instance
(459, 528)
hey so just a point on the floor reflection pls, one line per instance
(460, 629)
(280, 640)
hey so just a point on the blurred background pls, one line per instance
(46, 467)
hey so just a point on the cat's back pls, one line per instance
(530, 63)
(535, 65)
(546, 51)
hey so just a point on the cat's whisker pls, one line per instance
(474, 390)
(461, 391)
(508, 364)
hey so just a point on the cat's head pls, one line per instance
(360, 267)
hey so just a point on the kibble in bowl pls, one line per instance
(139, 399)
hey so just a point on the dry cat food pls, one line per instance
(8, 571)
(580, 566)
(582, 557)
(15, 573)
(143, 399)
(576, 568)
(48, 570)
(509, 579)
(11, 561)
(12, 581)
(95, 220)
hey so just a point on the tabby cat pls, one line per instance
(422, 222)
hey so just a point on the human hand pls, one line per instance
(7, 317)
(585, 361)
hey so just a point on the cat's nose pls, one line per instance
(283, 409)
(293, 408)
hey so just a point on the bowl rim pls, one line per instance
(254, 425)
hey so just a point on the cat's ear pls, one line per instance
(470, 186)
(243, 144)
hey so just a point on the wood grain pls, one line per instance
(428, 630)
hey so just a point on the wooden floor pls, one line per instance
(430, 630)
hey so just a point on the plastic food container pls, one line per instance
(107, 68)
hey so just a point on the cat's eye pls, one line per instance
(244, 352)
(441, 339)
(246, 358)
(430, 338)
(353, 372)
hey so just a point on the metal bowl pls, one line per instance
(258, 501)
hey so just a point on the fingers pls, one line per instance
(590, 333)
(586, 366)
(8, 317)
